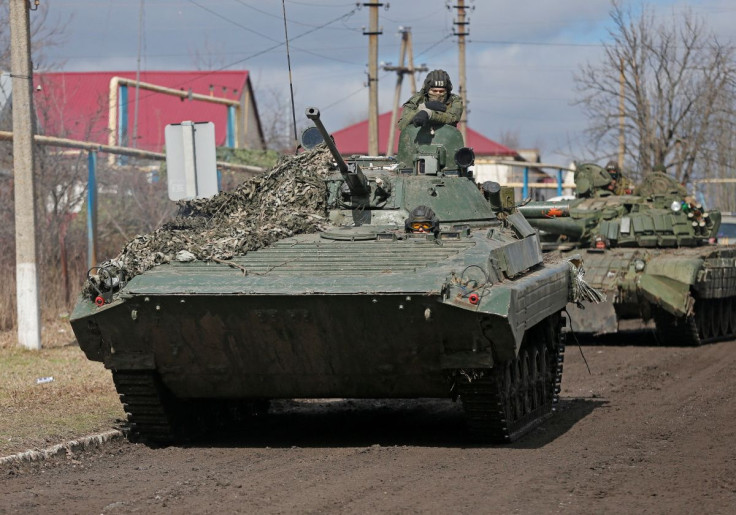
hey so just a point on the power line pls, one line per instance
(264, 51)
(231, 21)
(537, 43)
(294, 22)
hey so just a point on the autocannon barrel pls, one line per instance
(352, 174)
(313, 114)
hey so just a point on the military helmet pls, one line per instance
(612, 169)
(437, 79)
(422, 219)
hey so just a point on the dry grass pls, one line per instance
(81, 400)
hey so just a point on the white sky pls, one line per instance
(521, 55)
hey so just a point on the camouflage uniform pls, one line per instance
(415, 104)
(619, 185)
(624, 186)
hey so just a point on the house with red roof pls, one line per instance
(117, 108)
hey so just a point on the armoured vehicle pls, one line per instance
(650, 252)
(367, 308)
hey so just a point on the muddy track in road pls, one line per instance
(650, 429)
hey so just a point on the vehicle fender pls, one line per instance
(668, 293)
(514, 306)
(682, 270)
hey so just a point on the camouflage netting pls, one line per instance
(289, 199)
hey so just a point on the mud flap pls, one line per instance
(672, 296)
(595, 318)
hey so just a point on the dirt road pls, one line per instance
(651, 429)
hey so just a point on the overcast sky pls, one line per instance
(521, 55)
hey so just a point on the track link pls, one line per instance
(506, 402)
(152, 413)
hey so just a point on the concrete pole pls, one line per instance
(621, 117)
(413, 74)
(372, 34)
(461, 32)
(26, 254)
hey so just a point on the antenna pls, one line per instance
(291, 84)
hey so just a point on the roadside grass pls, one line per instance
(80, 400)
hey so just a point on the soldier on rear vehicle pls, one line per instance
(620, 184)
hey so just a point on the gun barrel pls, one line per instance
(566, 226)
(545, 210)
(313, 114)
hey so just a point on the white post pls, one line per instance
(29, 317)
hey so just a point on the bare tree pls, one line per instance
(209, 56)
(44, 35)
(276, 120)
(510, 138)
(678, 93)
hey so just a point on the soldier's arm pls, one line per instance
(452, 115)
(410, 109)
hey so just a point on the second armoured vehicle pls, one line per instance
(651, 253)
(419, 286)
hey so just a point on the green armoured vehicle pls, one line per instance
(651, 253)
(366, 308)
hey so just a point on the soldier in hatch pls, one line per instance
(422, 219)
(434, 105)
(619, 184)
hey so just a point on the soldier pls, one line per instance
(434, 105)
(619, 184)
(422, 219)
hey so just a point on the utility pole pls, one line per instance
(401, 70)
(621, 117)
(373, 33)
(462, 31)
(26, 275)
(422, 68)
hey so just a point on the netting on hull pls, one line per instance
(289, 199)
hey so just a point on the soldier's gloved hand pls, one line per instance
(436, 105)
(420, 119)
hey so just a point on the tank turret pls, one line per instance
(624, 221)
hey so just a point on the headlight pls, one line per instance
(639, 265)
(676, 206)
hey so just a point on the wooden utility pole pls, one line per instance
(401, 70)
(413, 75)
(26, 254)
(461, 32)
(621, 117)
(373, 33)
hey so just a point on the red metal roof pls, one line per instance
(354, 139)
(75, 105)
